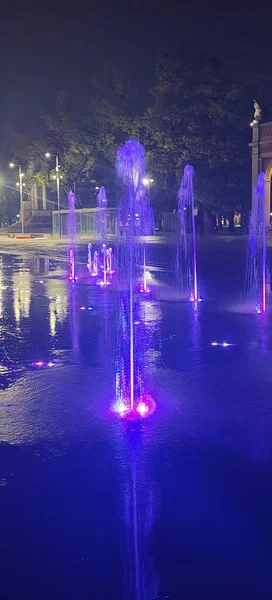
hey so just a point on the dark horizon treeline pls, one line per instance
(193, 114)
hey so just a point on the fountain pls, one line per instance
(257, 272)
(186, 254)
(134, 220)
(95, 264)
(89, 263)
(110, 270)
(102, 204)
(102, 259)
(72, 232)
(104, 282)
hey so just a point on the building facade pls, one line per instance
(261, 153)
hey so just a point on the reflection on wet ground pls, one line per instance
(176, 504)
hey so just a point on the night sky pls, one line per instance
(57, 46)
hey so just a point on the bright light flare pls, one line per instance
(222, 344)
(143, 408)
(103, 283)
(42, 363)
(193, 299)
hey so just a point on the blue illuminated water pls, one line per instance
(198, 471)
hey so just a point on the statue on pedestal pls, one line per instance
(257, 112)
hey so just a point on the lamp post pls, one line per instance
(20, 184)
(56, 156)
(147, 181)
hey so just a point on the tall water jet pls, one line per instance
(104, 282)
(102, 204)
(257, 272)
(134, 221)
(72, 233)
(110, 270)
(95, 264)
(89, 263)
(187, 250)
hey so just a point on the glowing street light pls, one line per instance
(20, 184)
(147, 181)
(57, 177)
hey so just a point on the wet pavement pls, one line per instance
(177, 503)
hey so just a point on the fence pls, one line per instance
(87, 221)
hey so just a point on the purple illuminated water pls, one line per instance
(257, 272)
(95, 264)
(72, 233)
(134, 221)
(89, 263)
(102, 204)
(187, 251)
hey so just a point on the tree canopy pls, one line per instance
(195, 115)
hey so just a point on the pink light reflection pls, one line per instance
(143, 408)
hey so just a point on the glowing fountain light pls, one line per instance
(143, 408)
(187, 250)
(257, 271)
(222, 344)
(41, 363)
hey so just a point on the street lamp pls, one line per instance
(147, 181)
(20, 184)
(57, 177)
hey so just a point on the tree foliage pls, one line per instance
(9, 207)
(196, 115)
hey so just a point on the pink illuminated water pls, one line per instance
(72, 232)
(134, 221)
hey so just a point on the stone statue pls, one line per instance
(257, 111)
